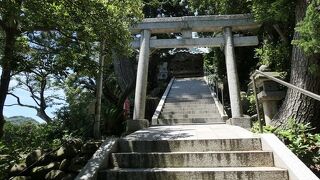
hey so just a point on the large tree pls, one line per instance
(80, 23)
(305, 66)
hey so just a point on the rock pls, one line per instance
(41, 171)
(264, 68)
(76, 142)
(17, 169)
(20, 178)
(69, 177)
(4, 157)
(64, 165)
(55, 175)
(67, 151)
(77, 163)
(49, 157)
(90, 147)
(33, 157)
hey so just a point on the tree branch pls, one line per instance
(2, 24)
(281, 34)
(33, 96)
(19, 102)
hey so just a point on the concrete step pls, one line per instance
(201, 145)
(190, 105)
(189, 111)
(194, 96)
(184, 92)
(187, 116)
(193, 159)
(236, 173)
(191, 101)
(190, 121)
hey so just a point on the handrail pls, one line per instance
(161, 103)
(303, 91)
(213, 87)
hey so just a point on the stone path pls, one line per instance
(189, 101)
(191, 132)
(192, 152)
(192, 142)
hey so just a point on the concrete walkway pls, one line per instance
(191, 132)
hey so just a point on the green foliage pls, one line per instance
(251, 106)
(28, 136)
(275, 55)
(158, 8)
(113, 120)
(300, 139)
(272, 10)
(20, 139)
(215, 63)
(309, 29)
(20, 120)
(53, 38)
(207, 7)
(78, 115)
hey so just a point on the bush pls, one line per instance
(20, 139)
(300, 139)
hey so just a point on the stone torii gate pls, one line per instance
(186, 25)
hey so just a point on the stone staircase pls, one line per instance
(179, 156)
(189, 101)
(199, 146)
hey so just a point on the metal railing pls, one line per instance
(214, 83)
(291, 86)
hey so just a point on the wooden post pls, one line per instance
(96, 126)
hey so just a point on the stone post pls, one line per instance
(232, 73)
(141, 85)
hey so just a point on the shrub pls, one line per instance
(20, 139)
(300, 139)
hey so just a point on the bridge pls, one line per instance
(190, 136)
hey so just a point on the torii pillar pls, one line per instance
(139, 121)
(232, 73)
(233, 82)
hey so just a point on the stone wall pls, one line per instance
(64, 163)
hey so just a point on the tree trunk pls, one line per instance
(296, 105)
(6, 72)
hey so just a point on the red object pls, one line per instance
(126, 108)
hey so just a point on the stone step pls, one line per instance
(189, 111)
(195, 96)
(201, 145)
(192, 107)
(189, 92)
(174, 93)
(190, 101)
(187, 116)
(190, 121)
(189, 105)
(234, 173)
(193, 159)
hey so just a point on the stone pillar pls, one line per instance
(232, 73)
(270, 108)
(142, 77)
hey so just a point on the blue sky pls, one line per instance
(26, 99)
(22, 111)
